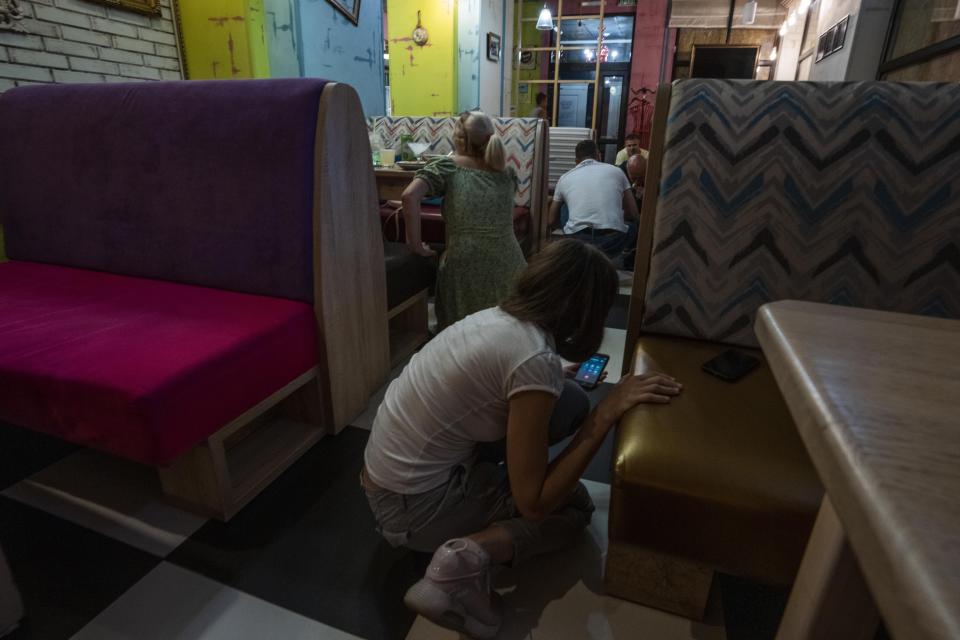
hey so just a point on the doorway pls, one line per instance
(612, 109)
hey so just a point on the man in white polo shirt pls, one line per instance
(603, 211)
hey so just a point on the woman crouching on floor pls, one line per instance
(490, 388)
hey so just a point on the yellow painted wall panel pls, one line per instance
(223, 39)
(256, 32)
(423, 80)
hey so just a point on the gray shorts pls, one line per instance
(477, 495)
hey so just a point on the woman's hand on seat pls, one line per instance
(652, 387)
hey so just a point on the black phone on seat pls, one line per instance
(588, 375)
(731, 365)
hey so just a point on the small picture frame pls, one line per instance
(840, 35)
(527, 60)
(349, 8)
(493, 47)
(832, 39)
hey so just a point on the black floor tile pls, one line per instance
(308, 544)
(24, 452)
(66, 574)
(751, 611)
(617, 317)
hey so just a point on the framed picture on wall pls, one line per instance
(832, 39)
(141, 6)
(493, 47)
(527, 60)
(349, 8)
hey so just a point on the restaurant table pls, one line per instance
(391, 181)
(876, 399)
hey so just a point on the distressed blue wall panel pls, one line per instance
(336, 49)
(468, 58)
(280, 25)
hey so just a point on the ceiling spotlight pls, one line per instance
(783, 29)
(792, 18)
(613, 54)
(773, 54)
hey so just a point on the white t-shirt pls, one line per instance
(593, 192)
(453, 394)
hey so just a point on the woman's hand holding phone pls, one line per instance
(570, 371)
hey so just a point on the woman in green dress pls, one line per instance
(482, 255)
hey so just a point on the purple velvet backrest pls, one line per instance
(205, 183)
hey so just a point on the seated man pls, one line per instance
(636, 168)
(631, 147)
(600, 204)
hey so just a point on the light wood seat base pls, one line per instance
(224, 473)
(408, 327)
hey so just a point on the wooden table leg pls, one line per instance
(830, 598)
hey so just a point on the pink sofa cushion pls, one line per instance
(141, 368)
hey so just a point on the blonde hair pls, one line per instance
(481, 139)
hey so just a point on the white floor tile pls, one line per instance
(561, 597)
(115, 497)
(612, 345)
(171, 603)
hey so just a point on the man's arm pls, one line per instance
(554, 214)
(630, 212)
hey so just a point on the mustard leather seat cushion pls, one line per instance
(719, 476)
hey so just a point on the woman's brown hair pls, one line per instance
(567, 290)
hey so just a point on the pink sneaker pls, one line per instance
(455, 591)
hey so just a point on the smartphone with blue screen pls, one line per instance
(588, 375)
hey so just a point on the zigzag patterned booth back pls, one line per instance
(519, 140)
(844, 193)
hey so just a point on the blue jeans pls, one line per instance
(614, 244)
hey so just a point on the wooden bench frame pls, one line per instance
(221, 475)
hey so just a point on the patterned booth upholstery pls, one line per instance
(526, 141)
(843, 193)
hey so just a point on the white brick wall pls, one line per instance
(83, 41)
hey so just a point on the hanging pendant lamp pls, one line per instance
(545, 20)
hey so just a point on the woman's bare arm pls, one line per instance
(411, 198)
(539, 486)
